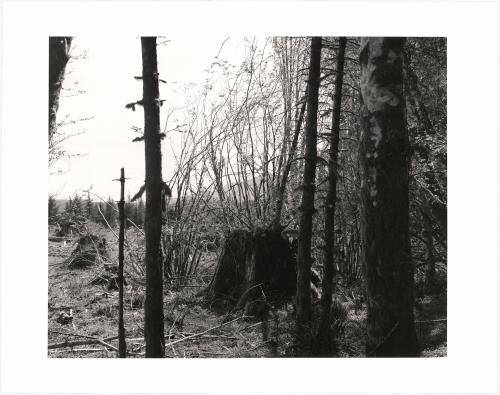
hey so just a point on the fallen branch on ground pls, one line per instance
(200, 334)
(439, 320)
(213, 336)
(81, 335)
(251, 326)
(204, 332)
(79, 350)
(89, 341)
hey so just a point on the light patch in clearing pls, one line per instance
(368, 155)
(374, 203)
(375, 155)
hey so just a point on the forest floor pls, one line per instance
(192, 328)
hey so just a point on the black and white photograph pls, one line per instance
(249, 197)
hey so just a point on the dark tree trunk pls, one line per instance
(286, 170)
(58, 58)
(384, 201)
(308, 189)
(153, 326)
(331, 196)
(122, 346)
(430, 269)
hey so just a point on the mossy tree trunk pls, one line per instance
(303, 298)
(58, 58)
(153, 323)
(384, 201)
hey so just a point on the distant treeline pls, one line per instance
(77, 209)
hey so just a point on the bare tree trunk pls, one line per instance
(331, 196)
(307, 206)
(153, 325)
(384, 201)
(122, 346)
(58, 58)
(286, 170)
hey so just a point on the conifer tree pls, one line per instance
(308, 191)
(89, 208)
(110, 212)
(153, 323)
(53, 210)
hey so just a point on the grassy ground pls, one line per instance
(192, 327)
(95, 315)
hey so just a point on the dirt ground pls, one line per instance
(86, 317)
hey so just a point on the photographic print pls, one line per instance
(247, 197)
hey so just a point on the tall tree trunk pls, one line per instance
(58, 58)
(286, 170)
(331, 196)
(153, 325)
(122, 346)
(308, 188)
(384, 201)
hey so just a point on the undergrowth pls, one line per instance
(193, 328)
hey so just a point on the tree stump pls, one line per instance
(90, 249)
(254, 265)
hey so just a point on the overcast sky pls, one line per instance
(106, 75)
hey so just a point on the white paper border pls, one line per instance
(471, 365)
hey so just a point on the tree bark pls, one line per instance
(331, 197)
(308, 189)
(286, 170)
(153, 326)
(122, 346)
(58, 58)
(384, 201)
